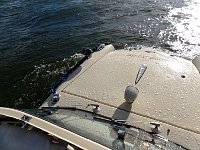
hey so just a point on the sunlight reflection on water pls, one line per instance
(184, 33)
(34, 33)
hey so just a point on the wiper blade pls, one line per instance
(115, 121)
(96, 116)
(56, 108)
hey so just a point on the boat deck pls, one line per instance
(169, 91)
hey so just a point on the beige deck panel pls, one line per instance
(163, 93)
(169, 91)
(94, 58)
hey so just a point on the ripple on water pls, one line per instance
(184, 32)
(33, 31)
(35, 87)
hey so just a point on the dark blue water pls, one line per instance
(37, 37)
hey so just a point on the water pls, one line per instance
(38, 37)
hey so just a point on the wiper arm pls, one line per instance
(67, 108)
(96, 116)
(115, 121)
(56, 108)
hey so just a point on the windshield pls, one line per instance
(105, 131)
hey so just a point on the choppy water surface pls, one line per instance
(38, 37)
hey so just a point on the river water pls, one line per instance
(37, 37)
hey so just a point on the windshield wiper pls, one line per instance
(103, 118)
(120, 126)
(95, 115)
(56, 108)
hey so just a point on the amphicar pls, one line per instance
(113, 99)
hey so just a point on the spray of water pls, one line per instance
(35, 87)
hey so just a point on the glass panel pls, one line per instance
(104, 130)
